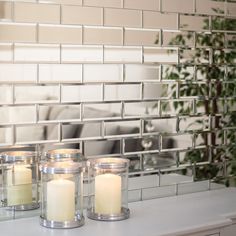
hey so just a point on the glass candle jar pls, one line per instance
(64, 154)
(61, 194)
(108, 189)
(20, 180)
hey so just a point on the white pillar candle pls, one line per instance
(108, 194)
(19, 186)
(60, 200)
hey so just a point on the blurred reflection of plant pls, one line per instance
(215, 91)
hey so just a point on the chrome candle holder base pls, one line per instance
(125, 213)
(79, 221)
(24, 207)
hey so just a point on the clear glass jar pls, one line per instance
(20, 180)
(64, 154)
(108, 189)
(61, 194)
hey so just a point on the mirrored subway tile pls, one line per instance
(134, 195)
(18, 32)
(81, 93)
(4, 115)
(224, 56)
(197, 155)
(60, 34)
(122, 92)
(224, 106)
(213, 170)
(178, 38)
(193, 123)
(227, 107)
(180, 141)
(6, 52)
(203, 139)
(223, 23)
(118, 54)
(226, 91)
(176, 107)
(102, 73)
(197, 23)
(160, 55)
(184, 6)
(210, 7)
(199, 90)
(141, 73)
(69, 2)
(102, 111)
(18, 114)
(81, 131)
(143, 182)
(229, 136)
(142, 5)
(210, 39)
(101, 147)
(18, 73)
(139, 109)
(104, 3)
(148, 37)
(58, 113)
(158, 20)
(55, 73)
(203, 105)
(122, 128)
(159, 90)
(193, 187)
(122, 17)
(185, 72)
(231, 72)
(103, 35)
(82, 54)
(6, 95)
(82, 15)
(209, 72)
(158, 160)
(136, 146)
(35, 94)
(172, 176)
(6, 11)
(6, 136)
(35, 12)
(194, 56)
(158, 192)
(34, 134)
(224, 121)
(231, 8)
(37, 53)
(230, 40)
(158, 125)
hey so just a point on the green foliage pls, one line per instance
(216, 93)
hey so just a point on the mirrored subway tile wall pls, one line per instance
(153, 81)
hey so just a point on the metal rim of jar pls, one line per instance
(57, 154)
(18, 156)
(109, 163)
(54, 168)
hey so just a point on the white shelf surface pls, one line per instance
(170, 216)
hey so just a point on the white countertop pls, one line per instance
(170, 216)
